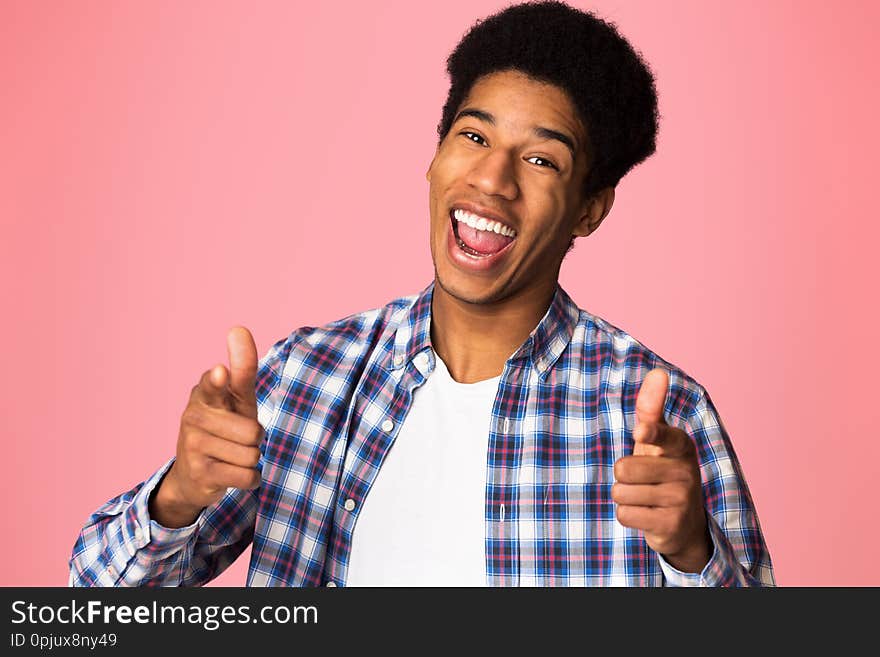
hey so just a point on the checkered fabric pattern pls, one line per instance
(332, 399)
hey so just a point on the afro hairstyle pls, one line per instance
(607, 81)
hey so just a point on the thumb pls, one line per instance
(242, 370)
(652, 398)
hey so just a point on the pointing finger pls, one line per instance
(211, 388)
(661, 440)
(225, 424)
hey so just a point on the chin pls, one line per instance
(478, 293)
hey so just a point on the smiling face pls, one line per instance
(506, 190)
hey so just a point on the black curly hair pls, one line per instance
(608, 82)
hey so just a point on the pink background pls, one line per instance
(171, 169)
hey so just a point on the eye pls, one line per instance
(474, 137)
(544, 162)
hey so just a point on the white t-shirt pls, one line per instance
(422, 523)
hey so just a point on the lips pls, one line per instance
(477, 243)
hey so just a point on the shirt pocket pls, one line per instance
(578, 527)
(584, 494)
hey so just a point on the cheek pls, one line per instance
(550, 219)
(449, 166)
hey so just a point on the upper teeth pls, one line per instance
(481, 223)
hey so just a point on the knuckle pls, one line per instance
(198, 442)
(198, 470)
(243, 479)
(234, 479)
(677, 496)
(253, 457)
(673, 522)
(256, 480)
(216, 476)
(193, 415)
(211, 492)
(682, 473)
(615, 492)
(184, 441)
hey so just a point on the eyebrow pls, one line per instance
(540, 131)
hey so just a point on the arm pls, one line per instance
(123, 544)
(683, 487)
(739, 555)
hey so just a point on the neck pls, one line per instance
(474, 340)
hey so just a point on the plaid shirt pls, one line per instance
(332, 400)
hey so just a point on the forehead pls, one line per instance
(522, 102)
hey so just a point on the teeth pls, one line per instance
(481, 223)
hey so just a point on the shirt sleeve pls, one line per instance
(740, 556)
(120, 545)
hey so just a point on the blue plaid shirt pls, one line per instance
(332, 400)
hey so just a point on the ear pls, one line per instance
(431, 165)
(596, 209)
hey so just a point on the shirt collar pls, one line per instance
(543, 347)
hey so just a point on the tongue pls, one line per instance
(482, 241)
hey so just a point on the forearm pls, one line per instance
(122, 545)
(724, 566)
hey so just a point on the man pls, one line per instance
(485, 431)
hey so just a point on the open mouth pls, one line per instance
(478, 236)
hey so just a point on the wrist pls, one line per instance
(168, 505)
(694, 557)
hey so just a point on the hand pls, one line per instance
(658, 488)
(218, 443)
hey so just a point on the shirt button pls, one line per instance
(387, 426)
(349, 504)
(422, 360)
(331, 584)
(138, 534)
(111, 571)
(398, 361)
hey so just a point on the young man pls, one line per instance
(485, 431)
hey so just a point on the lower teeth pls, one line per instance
(464, 247)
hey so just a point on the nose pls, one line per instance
(493, 174)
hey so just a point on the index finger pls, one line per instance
(227, 425)
(671, 441)
(211, 388)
